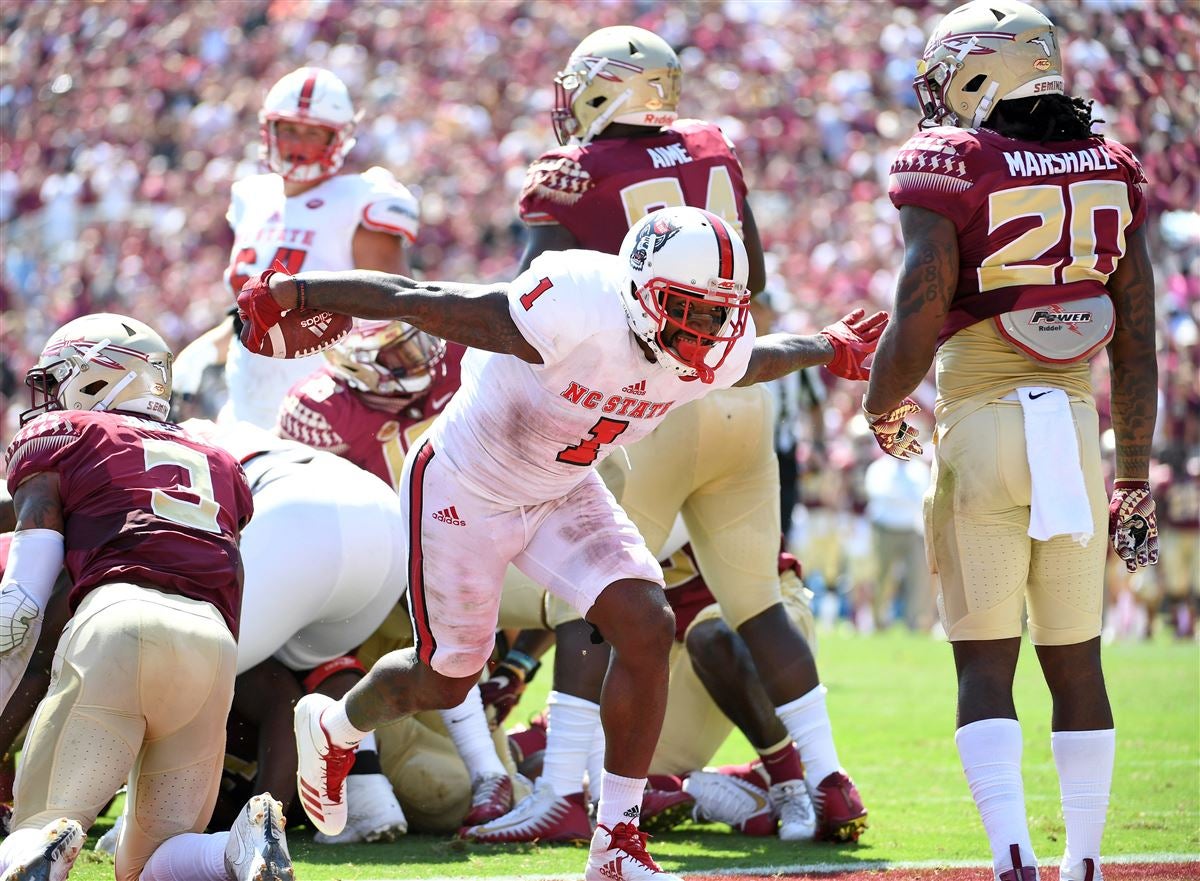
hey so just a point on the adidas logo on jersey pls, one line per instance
(638, 388)
(449, 515)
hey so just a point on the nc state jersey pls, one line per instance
(1037, 222)
(323, 412)
(690, 163)
(523, 434)
(314, 230)
(144, 501)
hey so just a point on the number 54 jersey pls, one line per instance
(524, 434)
(144, 502)
(586, 188)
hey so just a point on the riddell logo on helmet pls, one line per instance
(658, 118)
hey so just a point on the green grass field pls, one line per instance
(891, 698)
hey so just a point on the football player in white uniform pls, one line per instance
(303, 214)
(583, 352)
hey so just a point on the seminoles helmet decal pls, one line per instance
(617, 74)
(982, 53)
(102, 362)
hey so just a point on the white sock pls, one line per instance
(14, 846)
(472, 738)
(336, 723)
(595, 765)
(620, 800)
(571, 724)
(1084, 760)
(807, 721)
(990, 750)
(190, 856)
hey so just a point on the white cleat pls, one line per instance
(51, 855)
(793, 804)
(321, 767)
(257, 848)
(107, 843)
(619, 854)
(374, 813)
(1087, 869)
(724, 798)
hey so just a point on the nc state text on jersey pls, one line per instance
(617, 404)
(1023, 163)
(286, 236)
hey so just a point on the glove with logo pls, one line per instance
(1132, 524)
(853, 338)
(258, 310)
(19, 612)
(505, 686)
(893, 434)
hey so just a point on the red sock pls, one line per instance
(783, 763)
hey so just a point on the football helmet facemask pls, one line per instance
(618, 74)
(102, 362)
(388, 358)
(982, 53)
(315, 97)
(685, 295)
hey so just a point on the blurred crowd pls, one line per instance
(123, 124)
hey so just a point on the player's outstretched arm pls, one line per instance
(471, 314)
(842, 347)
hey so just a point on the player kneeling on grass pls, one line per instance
(507, 471)
(147, 519)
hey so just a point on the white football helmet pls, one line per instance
(102, 362)
(315, 97)
(388, 358)
(687, 256)
(618, 74)
(982, 53)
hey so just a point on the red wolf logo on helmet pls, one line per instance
(650, 240)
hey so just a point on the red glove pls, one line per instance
(258, 310)
(853, 339)
(1132, 524)
(505, 686)
(893, 434)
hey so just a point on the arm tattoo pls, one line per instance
(471, 314)
(924, 293)
(38, 504)
(1133, 359)
(779, 354)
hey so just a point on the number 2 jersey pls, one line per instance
(586, 188)
(1038, 223)
(524, 434)
(314, 230)
(143, 502)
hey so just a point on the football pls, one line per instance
(302, 332)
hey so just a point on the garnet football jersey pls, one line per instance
(314, 230)
(1037, 222)
(325, 413)
(143, 501)
(587, 188)
(523, 434)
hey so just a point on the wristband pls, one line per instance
(301, 292)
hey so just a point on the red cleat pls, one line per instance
(840, 812)
(663, 809)
(491, 797)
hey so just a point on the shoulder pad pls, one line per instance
(935, 159)
(556, 177)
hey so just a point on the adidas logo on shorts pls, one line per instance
(638, 388)
(449, 515)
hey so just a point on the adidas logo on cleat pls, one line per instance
(638, 388)
(449, 515)
(612, 869)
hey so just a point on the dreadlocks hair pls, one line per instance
(1044, 118)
